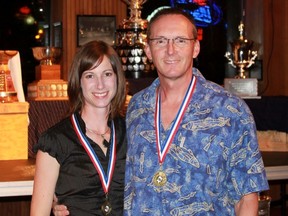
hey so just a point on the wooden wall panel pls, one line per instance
(66, 11)
(275, 34)
(266, 24)
(253, 21)
(276, 46)
(15, 206)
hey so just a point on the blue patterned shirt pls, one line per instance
(212, 162)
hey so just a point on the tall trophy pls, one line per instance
(241, 58)
(7, 90)
(135, 20)
(48, 84)
(130, 42)
(242, 54)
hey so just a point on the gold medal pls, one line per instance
(106, 208)
(159, 179)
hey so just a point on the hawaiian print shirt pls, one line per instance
(211, 163)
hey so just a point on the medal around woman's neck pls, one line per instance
(105, 178)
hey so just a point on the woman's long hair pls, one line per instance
(89, 57)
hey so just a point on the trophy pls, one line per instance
(49, 58)
(7, 90)
(242, 58)
(242, 55)
(47, 55)
(135, 20)
(48, 84)
(130, 42)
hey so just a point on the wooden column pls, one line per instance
(275, 22)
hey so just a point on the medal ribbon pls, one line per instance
(105, 179)
(162, 148)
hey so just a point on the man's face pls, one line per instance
(172, 58)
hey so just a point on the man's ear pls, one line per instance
(196, 49)
(148, 51)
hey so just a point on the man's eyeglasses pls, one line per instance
(178, 41)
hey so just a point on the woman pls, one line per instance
(82, 158)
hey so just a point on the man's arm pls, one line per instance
(248, 205)
(59, 210)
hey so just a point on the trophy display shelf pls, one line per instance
(14, 130)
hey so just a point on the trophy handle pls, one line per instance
(126, 1)
(227, 55)
(136, 2)
(251, 61)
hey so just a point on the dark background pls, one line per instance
(16, 35)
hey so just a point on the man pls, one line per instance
(192, 146)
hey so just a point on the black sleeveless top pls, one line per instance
(78, 185)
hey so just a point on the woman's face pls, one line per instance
(99, 85)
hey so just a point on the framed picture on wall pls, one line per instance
(57, 33)
(46, 32)
(95, 27)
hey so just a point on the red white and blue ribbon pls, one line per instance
(163, 148)
(104, 178)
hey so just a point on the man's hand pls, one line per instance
(248, 205)
(59, 210)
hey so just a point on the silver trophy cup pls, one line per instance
(135, 20)
(47, 55)
(130, 42)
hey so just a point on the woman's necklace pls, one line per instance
(105, 142)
